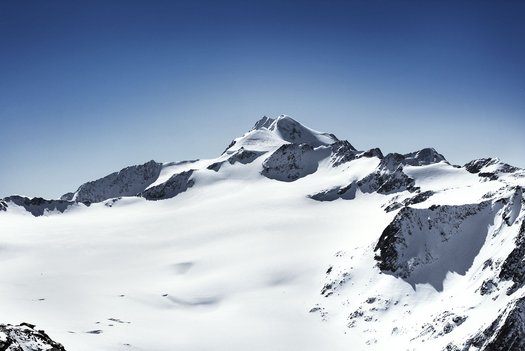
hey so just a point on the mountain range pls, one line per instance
(291, 239)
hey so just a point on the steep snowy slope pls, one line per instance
(291, 239)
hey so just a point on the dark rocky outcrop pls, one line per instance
(387, 182)
(506, 333)
(489, 168)
(175, 185)
(37, 206)
(264, 122)
(418, 198)
(25, 337)
(475, 166)
(129, 181)
(346, 193)
(391, 162)
(423, 157)
(242, 156)
(342, 152)
(375, 152)
(293, 161)
(513, 268)
(389, 177)
(421, 197)
(423, 245)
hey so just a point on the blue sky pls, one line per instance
(89, 87)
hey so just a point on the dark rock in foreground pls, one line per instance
(506, 333)
(25, 337)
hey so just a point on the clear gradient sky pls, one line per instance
(89, 87)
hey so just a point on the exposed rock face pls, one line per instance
(240, 156)
(37, 206)
(25, 337)
(475, 166)
(422, 245)
(513, 208)
(346, 193)
(423, 157)
(293, 161)
(391, 162)
(489, 168)
(421, 197)
(514, 266)
(375, 152)
(416, 199)
(130, 181)
(342, 152)
(244, 156)
(385, 181)
(389, 177)
(506, 333)
(175, 185)
(264, 122)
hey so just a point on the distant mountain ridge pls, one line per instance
(294, 152)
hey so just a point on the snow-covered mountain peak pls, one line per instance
(294, 132)
(268, 134)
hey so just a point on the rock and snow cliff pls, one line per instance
(288, 229)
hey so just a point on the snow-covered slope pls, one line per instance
(291, 239)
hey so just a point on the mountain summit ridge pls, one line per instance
(266, 136)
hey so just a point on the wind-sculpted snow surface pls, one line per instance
(128, 182)
(268, 134)
(294, 132)
(290, 239)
